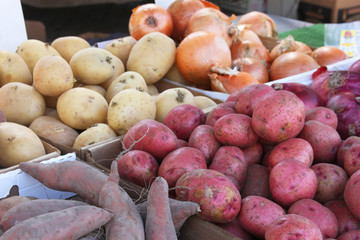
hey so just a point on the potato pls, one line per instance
(253, 154)
(54, 130)
(352, 160)
(129, 107)
(204, 102)
(95, 65)
(152, 56)
(52, 76)
(350, 235)
(21, 103)
(18, 144)
(67, 46)
(257, 182)
(13, 68)
(121, 47)
(322, 216)
(152, 90)
(126, 80)
(96, 133)
(257, 213)
(344, 147)
(171, 98)
(322, 114)
(219, 111)
(218, 197)
(80, 108)
(96, 88)
(352, 194)
(234, 227)
(32, 50)
(174, 75)
(51, 101)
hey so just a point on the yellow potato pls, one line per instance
(128, 79)
(121, 47)
(95, 65)
(171, 98)
(80, 108)
(96, 88)
(174, 75)
(204, 102)
(152, 90)
(67, 46)
(96, 133)
(32, 50)
(129, 107)
(18, 144)
(51, 101)
(152, 56)
(13, 68)
(52, 76)
(119, 69)
(54, 130)
(21, 103)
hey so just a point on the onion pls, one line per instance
(262, 24)
(346, 105)
(327, 55)
(291, 63)
(212, 20)
(254, 67)
(289, 44)
(243, 32)
(355, 67)
(328, 83)
(309, 97)
(250, 49)
(198, 52)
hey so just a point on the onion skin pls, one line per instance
(327, 55)
(262, 24)
(254, 67)
(355, 67)
(310, 98)
(250, 49)
(289, 45)
(346, 105)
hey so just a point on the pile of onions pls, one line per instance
(250, 49)
(198, 52)
(243, 32)
(291, 63)
(289, 44)
(327, 55)
(212, 20)
(355, 67)
(260, 23)
(254, 67)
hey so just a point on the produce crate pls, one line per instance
(194, 228)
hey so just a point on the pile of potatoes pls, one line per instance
(75, 94)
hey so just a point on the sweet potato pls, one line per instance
(126, 222)
(62, 176)
(69, 223)
(159, 224)
(7, 203)
(180, 211)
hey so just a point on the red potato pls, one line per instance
(291, 180)
(324, 140)
(234, 227)
(34, 208)
(151, 136)
(253, 154)
(219, 111)
(126, 222)
(180, 161)
(203, 138)
(69, 223)
(294, 226)
(62, 176)
(352, 160)
(322, 216)
(180, 211)
(294, 148)
(235, 129)
(230, 161)
(257, 213)
(138, 166)
(218, 197)
(257, 182)
(159, 224)
(346, 220)
(247, 98)
(331, 180)
(352, 194)
(322, 114)
(343, 148)
(182, 143)
(278, 117)
(7, 203)
(351, 235)
(183, 119)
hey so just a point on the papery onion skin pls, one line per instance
(355, 66)
(289, 44)
(302, 91)
(200, 51)
(261, 23)
(233, 83)
(254, 67)
(250, 49)
(149, 18)
(327, 55)
(290, 64)
(243, 32)
(346, 105)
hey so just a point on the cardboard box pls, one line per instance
(241, 6)
(329, 11)
(194, 228)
